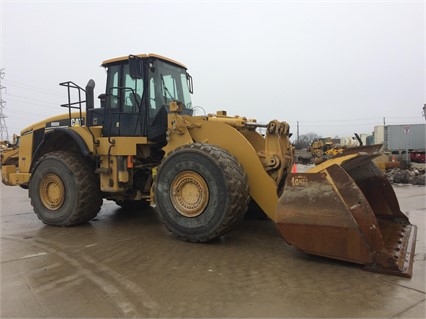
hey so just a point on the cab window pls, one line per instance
(123, 92)
(133, 90)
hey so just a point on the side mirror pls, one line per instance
(135, 67)
(102, 97)
(189, 79)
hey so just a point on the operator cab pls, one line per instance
(137, 96)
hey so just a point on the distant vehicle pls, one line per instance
(324, 148)
(418, 156)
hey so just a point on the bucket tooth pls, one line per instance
(400, 243)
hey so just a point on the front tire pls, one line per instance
(201, 192)
(64, 190)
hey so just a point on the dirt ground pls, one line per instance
(125, 264)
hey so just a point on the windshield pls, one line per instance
(168, 83)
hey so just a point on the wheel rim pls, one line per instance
(189, 193)
(52, 191)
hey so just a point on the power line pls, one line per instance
(341, 120)
(34, 101)
(4, 135)
(376, 119)
(34, 88)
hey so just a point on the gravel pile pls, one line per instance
(414, 176)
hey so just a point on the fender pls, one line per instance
(51, 139)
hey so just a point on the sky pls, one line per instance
(333, 68)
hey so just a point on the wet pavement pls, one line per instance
(125, 264)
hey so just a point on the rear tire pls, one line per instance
(64, 190)
(201, 192)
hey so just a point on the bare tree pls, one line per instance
(305, 140)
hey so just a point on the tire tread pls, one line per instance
(238, 186)
(89, 197)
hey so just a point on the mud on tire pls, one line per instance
(201, 192)
(64, 190)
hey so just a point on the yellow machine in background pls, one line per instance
(10, 151)
(144, 146)
(323, 149)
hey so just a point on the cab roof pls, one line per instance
(143, 56)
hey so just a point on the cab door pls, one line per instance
(124, 111)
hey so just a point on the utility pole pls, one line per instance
(298, 132)
(4, 135)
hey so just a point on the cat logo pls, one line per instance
(300, 181)
(77, 122)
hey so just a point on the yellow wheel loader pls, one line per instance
(9, 152)
(144, 146)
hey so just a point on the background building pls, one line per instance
(401, 138)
